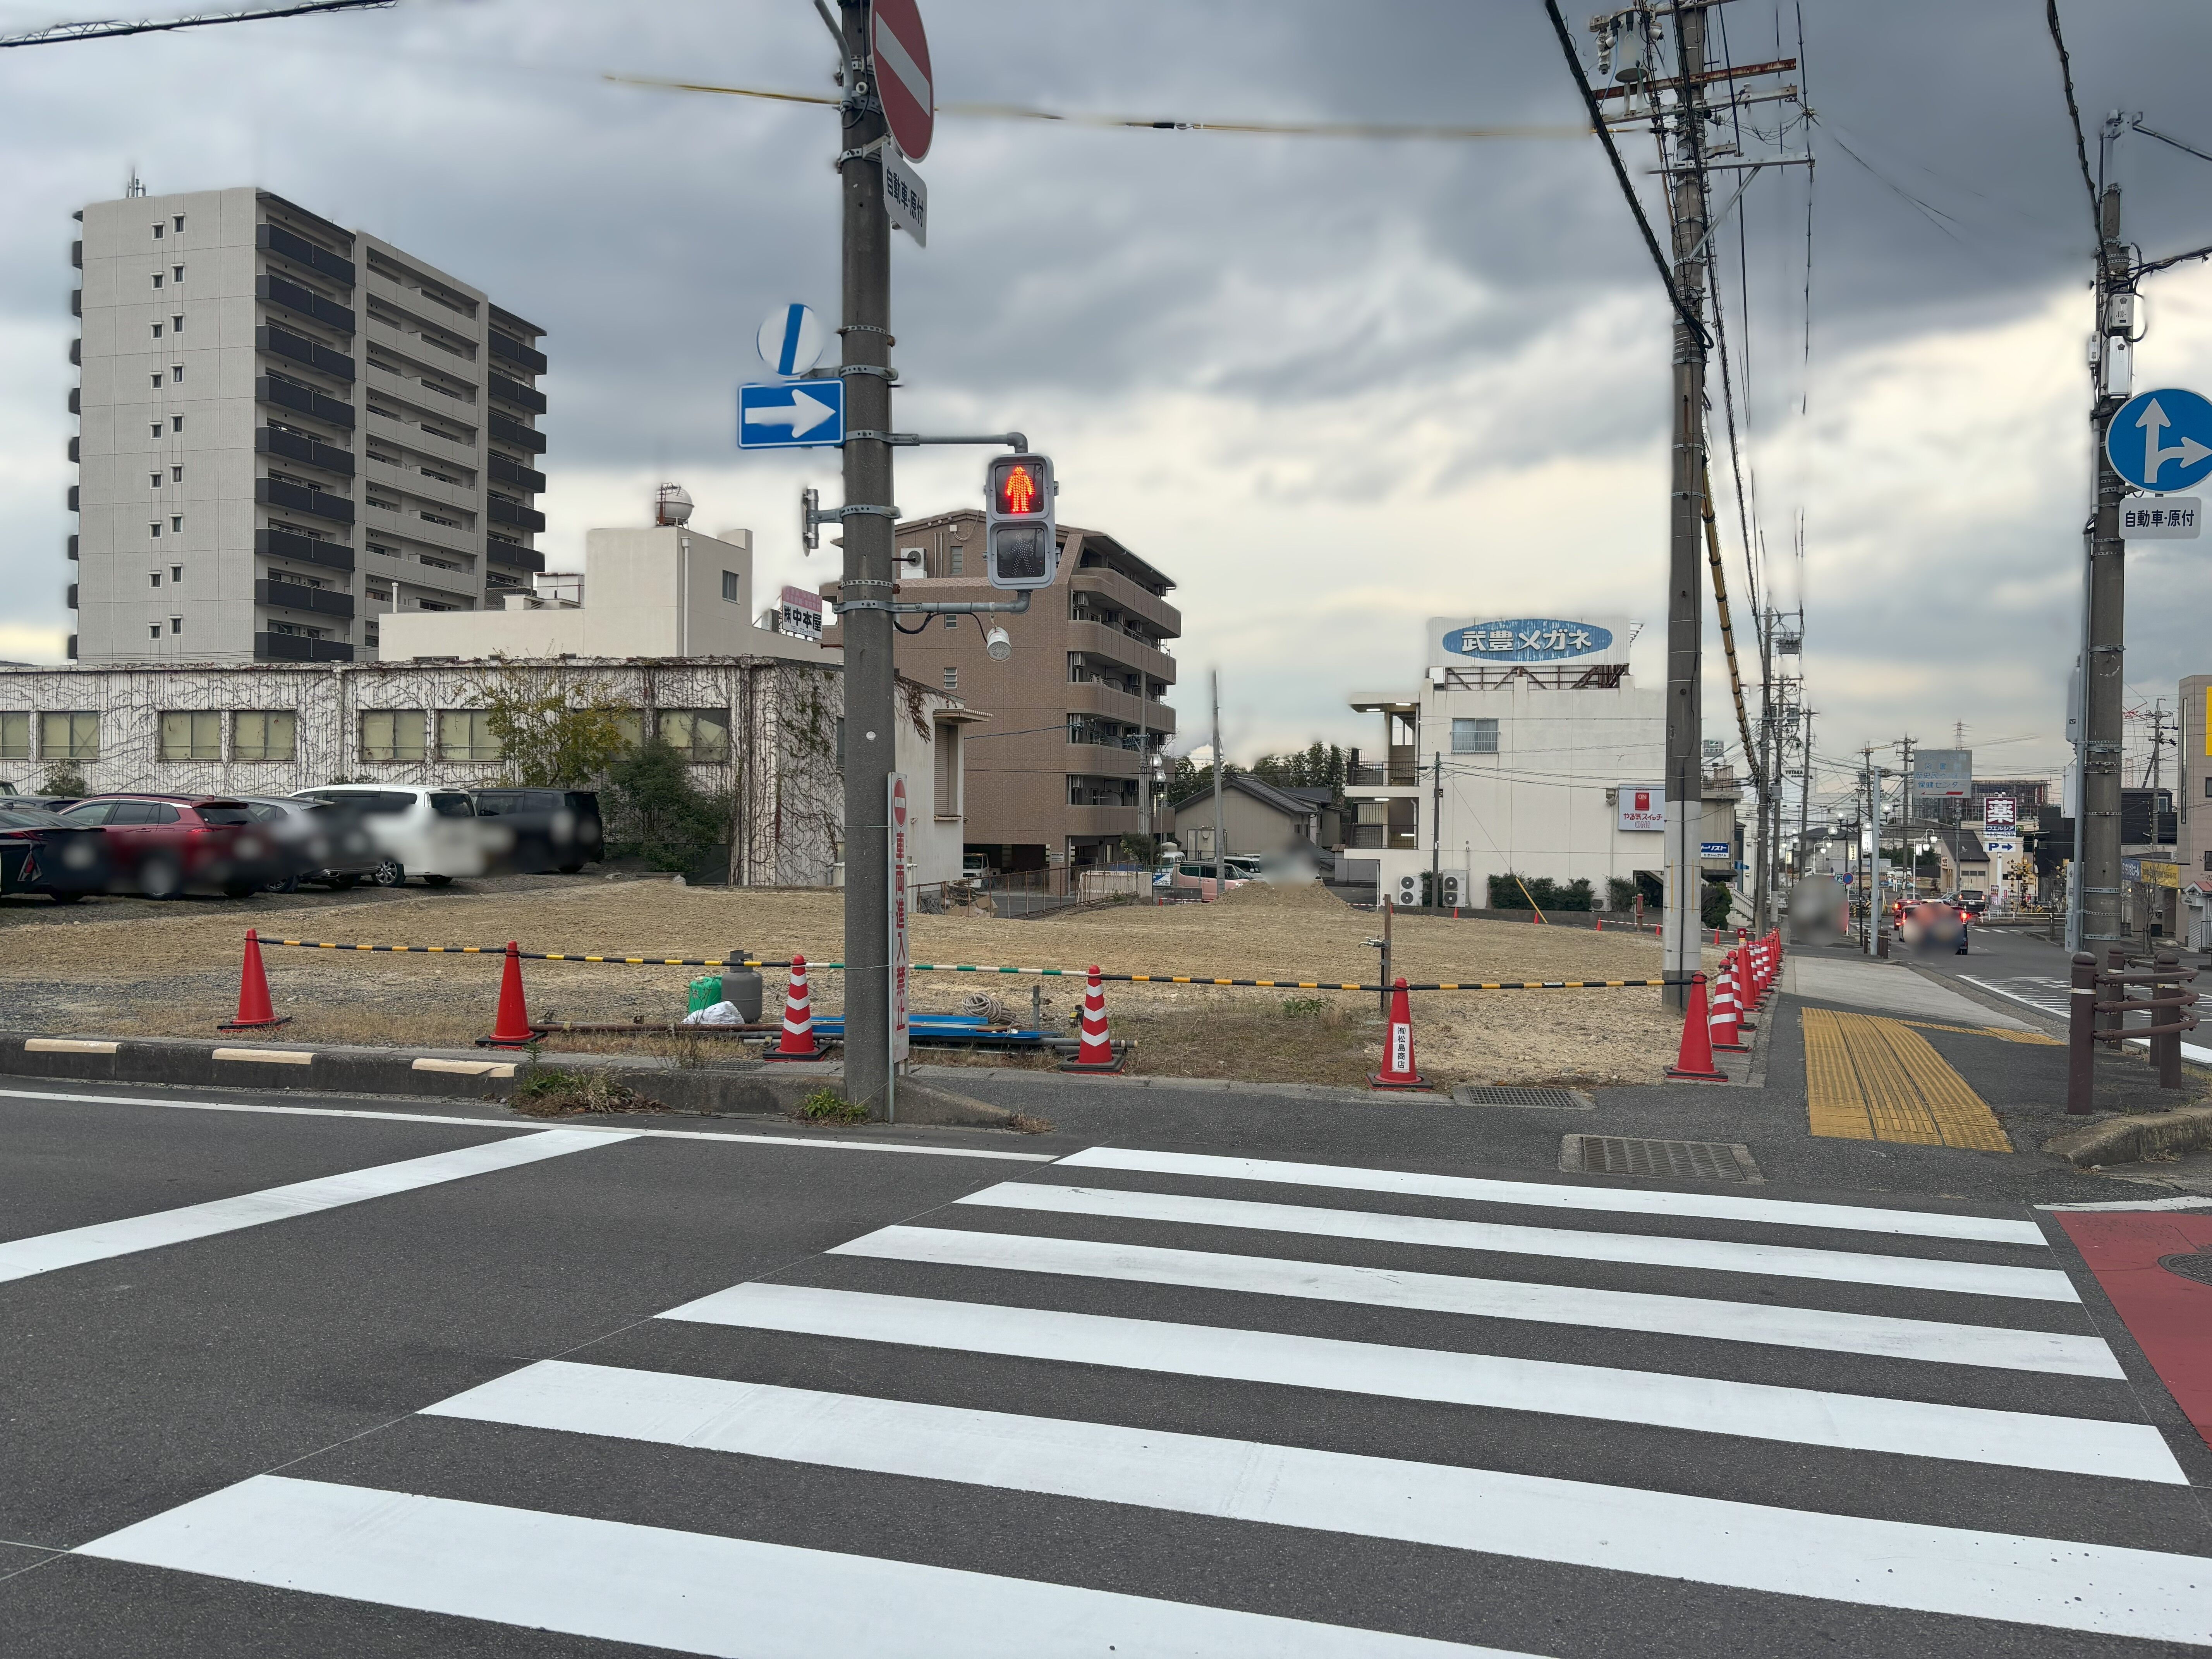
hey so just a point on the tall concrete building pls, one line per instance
(287, 431)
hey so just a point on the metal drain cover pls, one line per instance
(1658, 1160)
(2196, 1265)
(1563, 1100)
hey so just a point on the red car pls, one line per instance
(160, 845)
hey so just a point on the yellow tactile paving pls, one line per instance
(1871, 1077)
(2035, 1039)
(1831, 1090)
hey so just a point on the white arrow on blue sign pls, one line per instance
(2161, 440)
(790, 339)
(791, 414)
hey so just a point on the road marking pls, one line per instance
(20, 1258)
(268, 1056)
(689, 1592)
(70, 1046)
(1971, 1574)
(521, 1127)
(1871, 1078)
(1887, 1338)
(1712, 1206)
(1652, 1249)
(2133, 1451)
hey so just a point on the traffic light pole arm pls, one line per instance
(964, 608)
(1017, 441)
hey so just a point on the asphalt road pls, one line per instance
(1286, 1382)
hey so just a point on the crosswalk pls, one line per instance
(1153, 1403)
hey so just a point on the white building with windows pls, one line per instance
(1526, 749)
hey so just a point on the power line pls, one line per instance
(111, 28)
(2073, 115)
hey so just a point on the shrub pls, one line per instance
(1513, 892)
(1714, 912)
(827, 1106)
(661, 817)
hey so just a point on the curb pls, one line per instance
(740, 1089)
(2132, 1138)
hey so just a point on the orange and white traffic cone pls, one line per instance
(1398, 1070)
(510, 1027)
(254, 1012)
(1726, 1023)
(1694, 1061)
(1094, 1052)
(798, 1041)
(1746, 976)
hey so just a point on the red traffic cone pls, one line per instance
(1095, 1053)
(1745, 977)
(798, 1041)
(510, 1027)
(1398, 1071)
(254, 1012)
(1725, 1025)
(1695, 1061)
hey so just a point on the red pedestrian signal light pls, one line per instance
(1015, 491)
(1021, 541)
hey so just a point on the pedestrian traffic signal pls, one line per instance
(1020, 542)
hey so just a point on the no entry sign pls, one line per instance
(901, 55)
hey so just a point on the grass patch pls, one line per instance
(1023, 1124)
(1337, 1044)
(827, 1106)
(1305, 1007)
(549, 1091)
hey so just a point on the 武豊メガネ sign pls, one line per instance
(1526, 639)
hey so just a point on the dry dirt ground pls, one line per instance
(177, 975)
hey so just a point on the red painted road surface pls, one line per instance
(2169, 1316)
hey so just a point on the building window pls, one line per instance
(958, 565)
(157, 377)
(392, 734)
(154, 430)
(176, 475)
(730, 587)
(465, 734)
(157, 330)
(176, 273)
(177, 324)
(153, 630)
(384, 593)
(176, 372)
(177, 522)
(176, 573)
(152, 480)
(15, 737)
(702, 736)
(176, 423)
(157, 279)
(69, 737)
(191, 735)
(154, 578)
(179, 222)
(176, 624)
(1476, 737)
(948, 770)
(951, 679)
(154, 529)
(157, 232)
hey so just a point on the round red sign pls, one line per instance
(903, 78)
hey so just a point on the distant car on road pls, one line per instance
(542, 829)
(160, 845)
(429, 831)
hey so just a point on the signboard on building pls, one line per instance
(1713, 849)
(1454, 641)
(1999, 811)
(1942, 774)
(802, 612)
(1643, 807)
(2158, 874)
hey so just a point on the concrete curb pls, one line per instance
(2132, 1138)
(741, 1088)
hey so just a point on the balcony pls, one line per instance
(274, 543)
(72, 596)
(76, 400)
(271, 492)
(506, 429)
(514, 392)
(284, 395)
(77, 302)
(1118, 590)
(73, 450)
(514, 473)
(530, 362)
(293, 648)
(269, 443)
(298, 596)
(1088, 820)
(272, 289)
(275, 239)
(1089, 698)
(500, 512)
(1097, 639)
(513, 557)
(283, 343)
(72, 547)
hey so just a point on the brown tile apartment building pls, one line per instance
(1076, 712)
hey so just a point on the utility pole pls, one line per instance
(1905, 802)
(1220, 840)
(1804, 788)
(1437, 832)
(1763, 771)
(869, 518)
(2097, 880)
(2157, 744)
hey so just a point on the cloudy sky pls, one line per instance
(1330, 387)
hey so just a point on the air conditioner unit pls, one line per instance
(1409, 890)
(912, 561)
(1452, 891)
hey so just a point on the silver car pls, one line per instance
(314, 842)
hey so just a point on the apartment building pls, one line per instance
(287, 431)
(1077, 711)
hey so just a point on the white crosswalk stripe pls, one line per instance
(1687, 1388)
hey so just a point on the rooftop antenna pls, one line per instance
(136, 186)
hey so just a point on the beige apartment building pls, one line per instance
(1067, 765)
(287, 431)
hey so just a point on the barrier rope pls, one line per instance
(973, 968)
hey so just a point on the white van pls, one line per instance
(431, 833)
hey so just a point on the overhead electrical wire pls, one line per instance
(56, 34)
(2073, 115)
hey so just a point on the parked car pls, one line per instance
(1199, 873)
(38, 803)
(160, 845)
(431, 832)
(41, 853)
(315, 841)
(541, 829)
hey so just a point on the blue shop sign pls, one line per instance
(1528, 639)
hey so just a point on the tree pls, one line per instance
(66, 778)
(550, 735)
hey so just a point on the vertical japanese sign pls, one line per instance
(899, 958)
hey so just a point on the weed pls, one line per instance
(1305, 1007)
(549, 1092)
(1023, 1124)
(827, 1106)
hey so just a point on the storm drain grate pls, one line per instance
(1565, 1100)
(2196, 1264)
(1658, 1160)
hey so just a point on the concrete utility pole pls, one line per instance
(1220, 840)
(1769, 806)
(1437, 833)
(1686, 526)
(1804, 790)
(2097, 881)
(870, 516)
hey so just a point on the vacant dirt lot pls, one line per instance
(176, 975)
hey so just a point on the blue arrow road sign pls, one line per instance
(793, 415)
(2161, 440)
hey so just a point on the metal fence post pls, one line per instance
(2166, 1047)
(2082, 1014)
